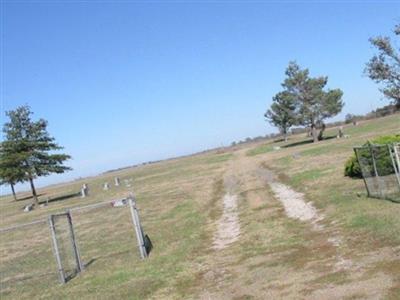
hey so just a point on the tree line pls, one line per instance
(304, 102)
(27, 151)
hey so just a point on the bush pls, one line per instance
(352, 168)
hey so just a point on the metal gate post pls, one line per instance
(379, 179)
(362, 173)
(395, 167)
(79, 265)
(55, 248)
(138, 229)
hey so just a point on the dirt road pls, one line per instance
(270, 242)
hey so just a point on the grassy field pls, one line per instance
(355, 253)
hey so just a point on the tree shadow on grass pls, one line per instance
(60, 198)
(279, 140)
(309, 141)
(29, 197)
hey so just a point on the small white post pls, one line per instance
(116, 181)
(106, 186)
(84, 191)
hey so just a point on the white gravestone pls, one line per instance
(84, 191)
(116, 181)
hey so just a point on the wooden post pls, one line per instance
(55, 248)
(137, 226)
(79, 265)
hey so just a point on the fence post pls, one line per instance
(137, 226)
(396, 148)
(395, 166)
(55, 248)
(380, 188)
(373, 160)
(78, 261)
(362, 173)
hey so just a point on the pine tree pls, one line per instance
(33, 147)
(313, 104)
(10, 171)
(281, 113)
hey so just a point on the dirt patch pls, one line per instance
(293, 202)
(297, 207)
(228, 226)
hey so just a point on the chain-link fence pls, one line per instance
(55, 249)
(379, 166)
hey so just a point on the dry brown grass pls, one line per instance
(180, 203)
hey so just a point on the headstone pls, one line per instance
(84, 191)
(106, 186)
(340, 133)
(28, 208)
(116, 181)
(120, 202)
(276, 148)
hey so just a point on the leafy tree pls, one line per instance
(384, 67)
(313, 104)
(281, 113)
(10, 171)
(32, 146)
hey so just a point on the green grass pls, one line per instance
(260, 150)
(172, 213)
(298, 179)
(218, 158)
(319, 174)
(180, 202)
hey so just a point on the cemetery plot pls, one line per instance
(380, 169)
(26, 258)
(100, 239)
(62, 245)
(65, 247)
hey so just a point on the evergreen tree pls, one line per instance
(384, 68)
(33, 147)
(313, 104)
(10, 170)
(281, 113)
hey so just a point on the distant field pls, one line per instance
(181, 202)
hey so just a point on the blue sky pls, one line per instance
(126, 82)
